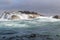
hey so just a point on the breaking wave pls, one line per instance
(40, 28)
(41, 19)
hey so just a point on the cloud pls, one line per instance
(44, 6)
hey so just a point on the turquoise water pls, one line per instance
(37, 29)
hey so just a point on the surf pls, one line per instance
(25, 15)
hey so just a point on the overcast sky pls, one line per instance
(43, 6)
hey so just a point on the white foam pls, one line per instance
(47, 19)
(26, 17)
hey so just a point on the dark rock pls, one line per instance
(56, 16)
(28, 12)
(15, 17)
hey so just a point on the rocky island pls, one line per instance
(16, 15)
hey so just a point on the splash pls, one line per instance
(16, 16)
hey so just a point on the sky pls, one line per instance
(48, 7)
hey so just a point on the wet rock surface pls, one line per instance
(56, 16)
(15, 17)
(20, 15)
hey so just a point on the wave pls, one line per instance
(41, 19)
(26, 15)
(29, 29)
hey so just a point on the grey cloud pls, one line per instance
(43, 6)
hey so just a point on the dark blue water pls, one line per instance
(39, 29)
(30, 30)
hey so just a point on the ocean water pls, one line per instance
(35, 29)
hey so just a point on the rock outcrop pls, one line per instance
(56, 16)
(15, 17)
(28, 12)
(20, 15)
(33, 16)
